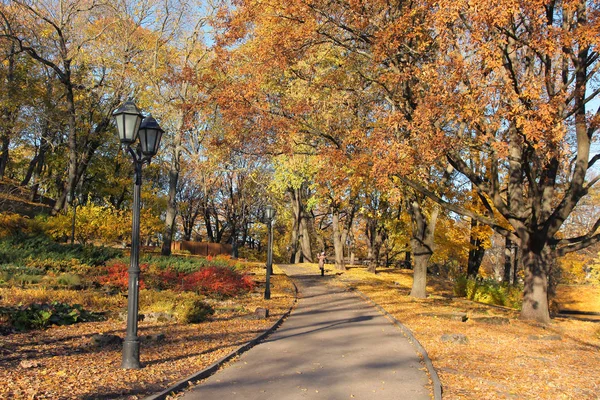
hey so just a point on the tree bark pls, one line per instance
(171, 210)
(423, 230)
(4, 149)
(8, 113)
(341, 229)
(535, 295)
(295, 250)
(507, 260)
(338, 244)
(305, 236)
(476, 251)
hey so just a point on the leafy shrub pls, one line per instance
(488, 291)
(5, 276)
(460, 286)
(187, 307)
(176, 263)
(15, 224)
(117, 275)
(70, 280)
(41, 252)
(94, 300)
(104, 224)
(24, 279)
(40, 316)
(220, 281)
(195, 311)
(161, 279)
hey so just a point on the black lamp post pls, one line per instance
(269, 215)
(131, 126)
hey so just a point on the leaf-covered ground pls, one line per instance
(60, 363)
(518, 360)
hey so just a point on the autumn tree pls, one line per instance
(515, 83)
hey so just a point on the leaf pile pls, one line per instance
(61, 362)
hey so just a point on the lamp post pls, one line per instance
(269, 215)
(131, 125)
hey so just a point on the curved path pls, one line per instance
(332, 346)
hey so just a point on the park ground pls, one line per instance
(503, 357)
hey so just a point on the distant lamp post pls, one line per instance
(269, 216)
(131, 125)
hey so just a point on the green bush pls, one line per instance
(488, 291)
(25, 279)
(41, 252)
(460, 286)
(5, 276)
(175, 263)
(187, 307)
(69, 280)
(195, 311)
(41, 316)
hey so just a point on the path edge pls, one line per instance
(437, 384)
(214, 367)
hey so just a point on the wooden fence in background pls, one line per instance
(202, 248)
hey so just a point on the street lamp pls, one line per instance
(269, 215)
(131, 125)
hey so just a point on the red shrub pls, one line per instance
(216, 280)
(163, 279)
(117, 275)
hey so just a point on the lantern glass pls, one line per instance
(128, 118)
(269, 212)
(150, 136)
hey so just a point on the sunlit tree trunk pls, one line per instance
(338, 243)
(170, 224)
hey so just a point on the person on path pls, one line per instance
(322, 257)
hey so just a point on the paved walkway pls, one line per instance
(332, 346)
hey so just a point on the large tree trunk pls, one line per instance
(338, 244)
(422, 245)
(170, 219)
(476, 250)
(535, 296)
(341, 229)
(208, 225)
(305, 236)
(295, 250)
(375, 236)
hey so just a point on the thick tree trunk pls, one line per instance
(421, 260)
(535, 296)
(476, 251)
(175, 169)
(305, 236)
(338, 244)
(422, 245)
(295, 250)
(341, 230)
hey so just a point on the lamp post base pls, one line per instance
(131, 354)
